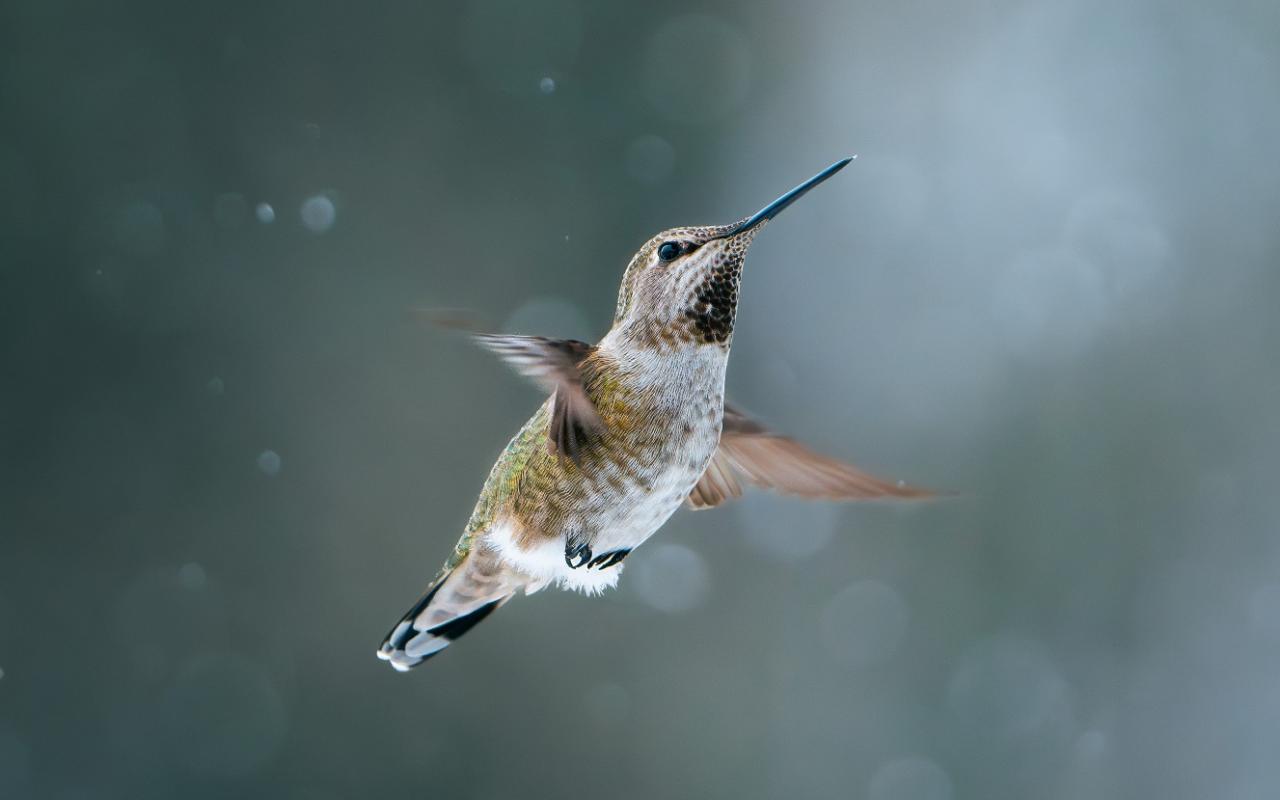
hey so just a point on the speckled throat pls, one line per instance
(690, 299)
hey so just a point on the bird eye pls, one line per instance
(668, 251)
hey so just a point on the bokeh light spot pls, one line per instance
(670, 578)
(192, 576)
(785, 528)
(910, 778)
(1009, 688)
(1049, 300)
(269, 462)
(864, 623)
(318, 213)
(1091, 745)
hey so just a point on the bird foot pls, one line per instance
(576, 555)
(606, 560)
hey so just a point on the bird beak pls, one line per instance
(773, 209)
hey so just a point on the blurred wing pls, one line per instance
(555, 365)
(750, 452)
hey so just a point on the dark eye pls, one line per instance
(668, 251)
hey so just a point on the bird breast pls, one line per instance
(662, 424)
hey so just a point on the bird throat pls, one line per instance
(715, 305)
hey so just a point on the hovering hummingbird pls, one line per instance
(634, 426)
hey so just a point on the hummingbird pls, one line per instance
(633, 427)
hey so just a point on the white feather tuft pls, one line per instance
(544, 563)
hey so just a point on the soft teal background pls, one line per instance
(1048, 283)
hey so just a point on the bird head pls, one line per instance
(681, 288)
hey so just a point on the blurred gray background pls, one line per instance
(232, 457)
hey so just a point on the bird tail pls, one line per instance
(455, 602)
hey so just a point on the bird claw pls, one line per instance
(580, 553)
(606, 560)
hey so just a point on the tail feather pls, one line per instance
(456, 602)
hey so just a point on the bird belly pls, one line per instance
(626, 489)
(657, 480)
(638, 516)
(608, 520)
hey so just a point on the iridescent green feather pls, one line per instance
(502, 481)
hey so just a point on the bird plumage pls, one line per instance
(634, 426)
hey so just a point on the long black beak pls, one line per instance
(773, 209)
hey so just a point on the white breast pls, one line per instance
(690, 384)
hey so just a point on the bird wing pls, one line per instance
(555, 365)
(751, 452)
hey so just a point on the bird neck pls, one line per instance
(670, 368)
